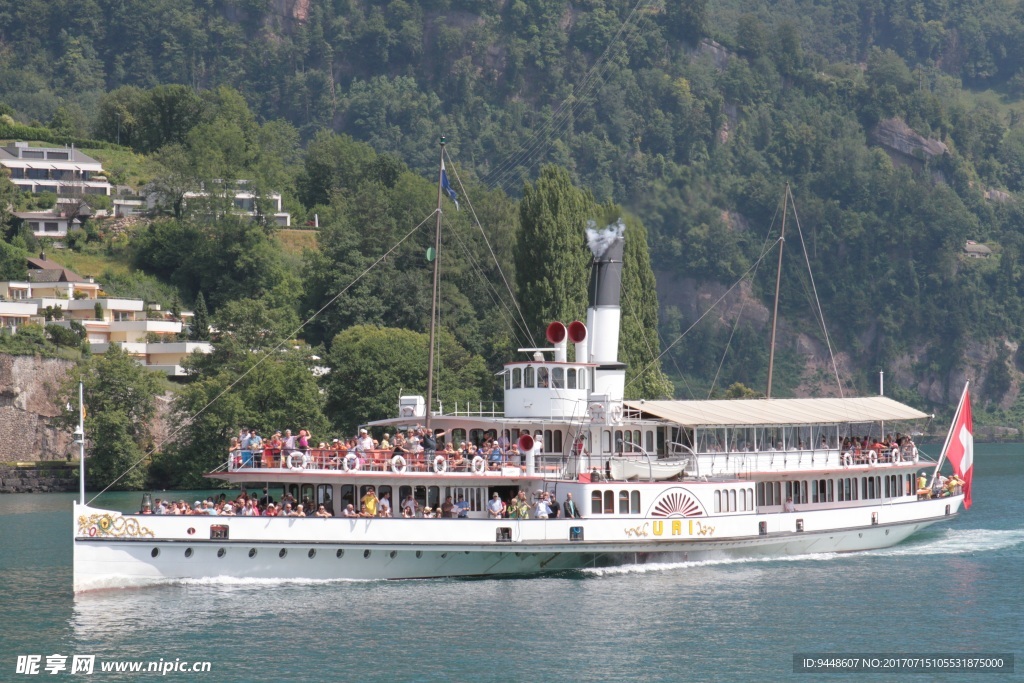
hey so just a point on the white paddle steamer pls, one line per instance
(653, 480)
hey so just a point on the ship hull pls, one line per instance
(361, 550)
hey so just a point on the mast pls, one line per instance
(778, 282)
(433, 300)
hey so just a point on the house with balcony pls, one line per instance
(243, 200)
(148, 334)
(64, 171)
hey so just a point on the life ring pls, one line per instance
(479, 465)
(616, 414)
(398, 464)
(292, 460)
(440, 465)
(350, 463)
(895, 455)
(407, 411)
(872, 457)
(847, 459)
(596, 411)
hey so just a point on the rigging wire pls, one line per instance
(494, 256)
(817, 301)
(492, 293)
(265, 356)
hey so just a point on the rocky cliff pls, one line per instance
(28, 391)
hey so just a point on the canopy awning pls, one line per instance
(778, 411)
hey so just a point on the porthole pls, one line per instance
(340, 554)
(221, 552)
(155, 552)
(419, 554)
(312, 553)
(252, 552)
(392, 554)
(283, 553)
(366, 553)
(188, 552)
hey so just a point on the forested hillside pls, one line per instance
(897, 125)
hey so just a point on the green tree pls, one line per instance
(232, 388)
(370, 365)
(120, 400)
(551, 257)
(200, 330)
(639, 346)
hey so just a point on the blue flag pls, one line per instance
(447, 187)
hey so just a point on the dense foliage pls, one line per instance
(690, 116)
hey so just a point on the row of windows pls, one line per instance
(426, 496)
(542, 378)
(831, 490)
(603, 502)
(733, 500)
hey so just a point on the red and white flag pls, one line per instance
(961, 447)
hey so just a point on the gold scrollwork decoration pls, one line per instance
(111, 525)
(638, 531)
(705, 529)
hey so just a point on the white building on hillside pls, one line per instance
(64, 171)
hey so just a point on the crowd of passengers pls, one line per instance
(418, 446)
(544, 506)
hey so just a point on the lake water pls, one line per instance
(953, 589)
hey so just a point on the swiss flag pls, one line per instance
(961, 447)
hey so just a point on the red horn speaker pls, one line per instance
(556, 332)
(577, 332)
(525, 443)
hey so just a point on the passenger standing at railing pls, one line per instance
(289, 442)
(303, 441)
(234, 453)
(256, 447)
(364, 444)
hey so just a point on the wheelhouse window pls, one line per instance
(529, 377)
(558, 378)
(623, 502)
(542, 378)
(517, 378)
(570, 379)
(595, 503)
(609, 502)
(634, 502)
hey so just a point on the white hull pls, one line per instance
(339, 549)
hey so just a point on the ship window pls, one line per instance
(348, 495)
(743, 499)
(718, 501)
(649, 440)
(618, 440)
(830, 496)
(609, 502)
(606, 445)
(528, 377)
(623, 502)
(634, 502)
(433, 496)
(549, 443)
(542, 378)
(556, 445)
(508, 380)
(595, 503)
(888, 487)
(732, 501)
(778, 492)
(517, 378)
(558, 378)
(570, 379)
(636, 439)
(760, 493)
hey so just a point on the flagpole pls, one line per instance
(778, 283)
(949, 437)
(80, 437)
(433, 301)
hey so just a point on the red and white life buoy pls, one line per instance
(440, 465)
(479, 465)
(398, 464)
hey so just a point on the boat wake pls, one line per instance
(690, 564)
(125, 582)
(955, 542)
